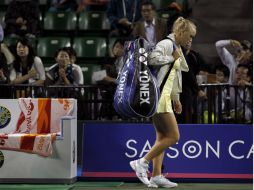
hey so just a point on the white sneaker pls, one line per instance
(161, 181)
(141, 171)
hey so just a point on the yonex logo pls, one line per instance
(144, 78)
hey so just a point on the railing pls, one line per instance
(223, 103)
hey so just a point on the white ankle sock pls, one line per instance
(143, 161)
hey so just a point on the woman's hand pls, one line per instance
(124, 21)
(1, 74)
(109, 79)
(176, 54)
(177, 106)
(202, 94)
(242, 83)
(3, 47)
(62, 73)
(32, 73)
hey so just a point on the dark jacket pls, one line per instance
(116, 11)
(4, 68)
(195, 61)
(28, 10)
(160, 29)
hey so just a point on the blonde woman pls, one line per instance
(166, 52)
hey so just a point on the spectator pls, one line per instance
(62, 72)
(76, 69)
(175, 9)
(243, 55)
(151, 28)
(22, 18)
(241, 97)
(63, 5)
(240, 75)
(243, 75)
(191, 90)
(4, 72)
(122, 14)
(27, 67)
(113, 66)
(222, 74)
(113, 70)
(202, 102)
(5, 58)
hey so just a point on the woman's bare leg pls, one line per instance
(157, 163)
(167, 134)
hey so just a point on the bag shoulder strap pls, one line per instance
(168, 72)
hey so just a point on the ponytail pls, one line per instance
(181, 25)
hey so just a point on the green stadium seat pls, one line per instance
(4, 4)
(43, 2)
(10, 41)
(90, 47)
(88, 70)
(162, 4)
(93, 20)
(47, 46)
(164, 14)
(59, 21)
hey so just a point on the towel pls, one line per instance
(37, 126)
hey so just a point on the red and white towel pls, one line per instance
(31, 143)
(38, 124)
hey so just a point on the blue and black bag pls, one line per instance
(137, 93)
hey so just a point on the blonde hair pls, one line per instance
(183, 25)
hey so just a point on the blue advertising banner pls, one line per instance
(203, 151)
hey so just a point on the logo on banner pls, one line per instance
(1, 159)
(192, 149)
(5, 117)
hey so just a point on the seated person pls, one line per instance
(222, 74)
(242, 95)
(27, 67)
(122, 15)
(113, 66)
(22, 18)
(61, 73)
(76, 69)
(6, 58)
(78, 74)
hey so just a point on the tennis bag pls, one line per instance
(137, 93)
